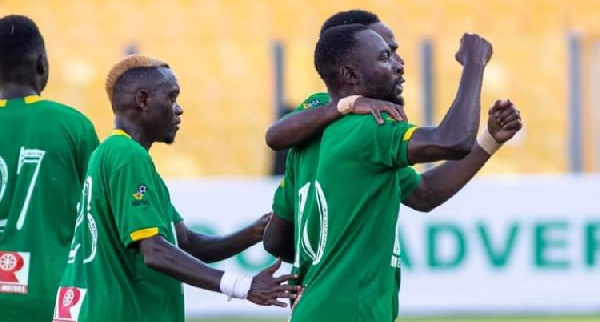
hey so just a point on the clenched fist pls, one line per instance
(474, 49)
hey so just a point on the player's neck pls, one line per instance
(12, 90)
(134, 130)
(344, 92)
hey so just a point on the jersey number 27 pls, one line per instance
(26, 156)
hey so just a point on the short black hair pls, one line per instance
(127, 82)
(349, 17)
(333, 50)
(19, 39)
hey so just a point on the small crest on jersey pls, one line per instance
(14, 272)
(312, 103)
(282, 183)
(68, 304)
(138, 196)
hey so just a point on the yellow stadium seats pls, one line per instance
(221, 52)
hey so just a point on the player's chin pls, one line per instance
(399, 99)
(169, 138)
(396, 98)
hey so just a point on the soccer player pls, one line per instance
(346, 218)
(44, 151)
(303, 129)
(131, 249)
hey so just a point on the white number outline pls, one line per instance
(3, 184)
(395, 262)
(29, 156)
(304, 242)
(25, 156)
(84, 208)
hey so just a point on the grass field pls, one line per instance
(441, 319)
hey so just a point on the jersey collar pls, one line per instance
(27, 100)
(119, 132)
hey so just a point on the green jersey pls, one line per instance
(44, 152)
(124, 200)
(349, 248)
(298, 190)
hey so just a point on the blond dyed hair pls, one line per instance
(126, 64)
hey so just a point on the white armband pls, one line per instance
(235, 285)
(487, 142)
(346, 104)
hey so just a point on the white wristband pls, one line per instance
(487, 142)
(235, 285)
(346, 104)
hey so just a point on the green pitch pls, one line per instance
(595, 318)
(439, 319)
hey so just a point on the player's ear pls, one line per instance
(42, 70)
(42, 65)
(349, 75)
(141, 99)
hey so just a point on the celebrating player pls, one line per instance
(303, 128)
(43, 158)
(131, 249)
(331, 218)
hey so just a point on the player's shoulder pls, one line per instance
(122, 149)
(315, 100)
(360, 131)
(65, 111)
(368, 122)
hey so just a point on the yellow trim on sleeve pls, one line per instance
(32, 99)
(3, 103)
(408, 134)
(143, 234)
(120, 132)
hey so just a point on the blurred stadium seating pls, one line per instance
(221, 52)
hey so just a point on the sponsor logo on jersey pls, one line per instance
(312, 103)
(138, 196)
(68, 304)
(14, 272)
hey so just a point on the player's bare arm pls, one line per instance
(214, 248)
(442, 182)
(168, 259)
(453, 138)
(304, 125)
(279, 238)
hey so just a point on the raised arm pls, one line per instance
(455, 135)
(262, 289)
(304, 125)
(213, 248)
(442, 182)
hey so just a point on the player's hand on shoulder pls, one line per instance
(365, 106)
(504, 120)
(474, 49)
(266, 288)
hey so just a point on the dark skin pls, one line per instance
(441, 183)
(28, 79)
(148, 111)
(306, 125)
(375, 72)
(438, 184)
(211, 249)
